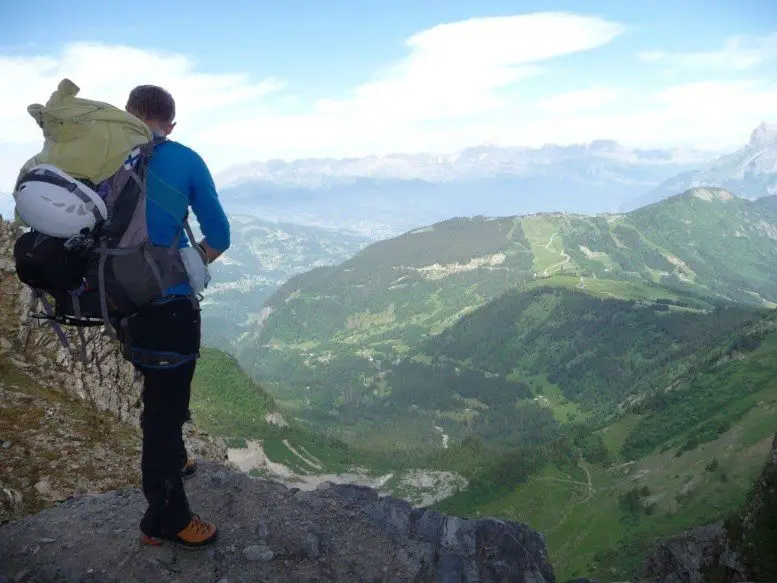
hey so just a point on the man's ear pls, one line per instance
(171, 127)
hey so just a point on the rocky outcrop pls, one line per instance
(694, 557)
(741, 548)
(53, 446)
(106, 380)
(272, 533)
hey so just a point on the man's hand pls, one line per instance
(210, 253)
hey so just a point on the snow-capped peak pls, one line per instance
(764, 135)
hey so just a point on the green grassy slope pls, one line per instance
(225, 400)
(709, 434)
(228, 403)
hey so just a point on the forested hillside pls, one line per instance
(607, 379)
(558, 316)
(688, 454)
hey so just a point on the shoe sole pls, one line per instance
(152, 541)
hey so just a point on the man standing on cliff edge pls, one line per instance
(177, 179)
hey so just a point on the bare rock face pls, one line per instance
(106, 380)
(693, 557)
(269, 532)
(11, 504)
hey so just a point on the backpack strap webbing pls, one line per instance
(38, 296)
(55, 320)
(77, 314)
(70, 320)
(103, 251)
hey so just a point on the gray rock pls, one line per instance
(262, 530)
(393, 515)
(311, 546)
(355, 494)
(310, 539)
(687, 558)
(258, 553)
(7, 445)
(427, 524)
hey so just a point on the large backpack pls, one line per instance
(108, 270)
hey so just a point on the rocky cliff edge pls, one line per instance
(269, 532)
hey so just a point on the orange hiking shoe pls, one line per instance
(197, 534)
(189, 468)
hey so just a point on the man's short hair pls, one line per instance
(151, 103)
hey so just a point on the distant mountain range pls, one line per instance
(388, 195)
(749, 173)
(383, 196)
(472, 163)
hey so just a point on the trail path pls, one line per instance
(588, 484)
(560, 265)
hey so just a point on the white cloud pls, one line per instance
(461, 84)
(580, 100)
(108, 73)
(455, 70)
(454, 75)
(737, 53)
(651, 56)
(714, 115)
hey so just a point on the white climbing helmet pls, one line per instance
(54, 203)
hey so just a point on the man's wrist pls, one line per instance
(209, 252)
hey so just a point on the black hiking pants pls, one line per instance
(172, 326)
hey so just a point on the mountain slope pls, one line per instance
(348, 345)
(749, 173)
(264, 255)
(596, 350)
(53, 445)
(686, 455)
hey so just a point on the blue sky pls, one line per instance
(259, 80)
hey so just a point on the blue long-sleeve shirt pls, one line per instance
(178, 178)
